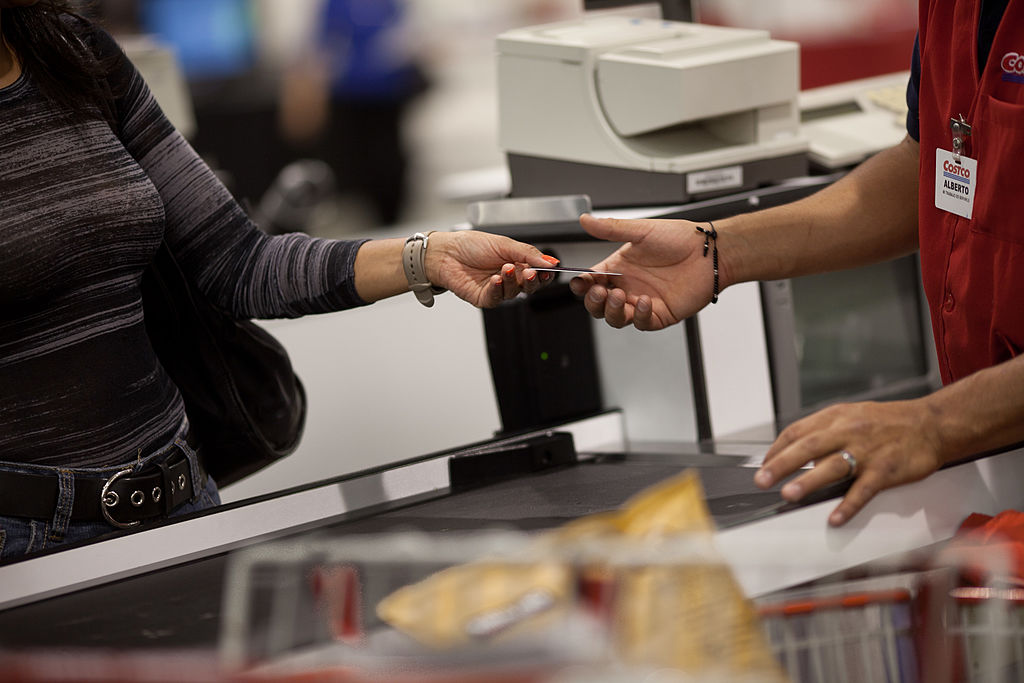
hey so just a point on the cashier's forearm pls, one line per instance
(867, 216)
(981, 412)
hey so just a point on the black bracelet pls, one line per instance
(711, 235)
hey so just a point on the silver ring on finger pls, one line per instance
(850, 461)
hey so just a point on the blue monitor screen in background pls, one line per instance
(213, 38)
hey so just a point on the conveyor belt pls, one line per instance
(551, 498)
(180, 606)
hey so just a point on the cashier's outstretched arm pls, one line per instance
(869, 215)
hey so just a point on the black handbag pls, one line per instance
(241, 394)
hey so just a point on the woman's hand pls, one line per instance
(482, 268)
(888, 444)
(665, 275)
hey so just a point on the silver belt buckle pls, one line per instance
(110, 499)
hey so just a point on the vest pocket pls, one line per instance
(997, 142)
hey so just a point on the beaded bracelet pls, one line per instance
(711, 235)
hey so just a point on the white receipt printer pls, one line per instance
(645, 111)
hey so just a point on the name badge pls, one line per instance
(956, 181)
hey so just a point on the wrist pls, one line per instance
(729, 254)
(944, 425)
(438, 250)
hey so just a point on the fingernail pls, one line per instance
(533, 276)
(836, 518)
(593, 296)
(643, 305)
(763, 478)
(550, 259)
(792, 491)
(508, 270)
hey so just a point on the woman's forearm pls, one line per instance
(378, 270)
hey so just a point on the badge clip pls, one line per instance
(960, 130)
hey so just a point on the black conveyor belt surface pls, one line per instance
(180, 606)
(551, 498)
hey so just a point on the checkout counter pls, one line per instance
(574, 118)
(162, 588)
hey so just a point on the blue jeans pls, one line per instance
(21, 535)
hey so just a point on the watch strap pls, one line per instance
(414, 255)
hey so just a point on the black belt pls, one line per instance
(123, 499)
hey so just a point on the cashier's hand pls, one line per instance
(482, 268)
(892, 443)
(665, 276)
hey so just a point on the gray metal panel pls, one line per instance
(610, 186)
(780, 331)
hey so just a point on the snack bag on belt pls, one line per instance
(691, 617)
(478, 601)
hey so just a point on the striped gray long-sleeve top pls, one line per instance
(83, 208)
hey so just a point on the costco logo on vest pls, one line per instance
(1013, 67)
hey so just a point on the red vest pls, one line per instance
(973, 270)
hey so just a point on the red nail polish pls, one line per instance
(551, 259)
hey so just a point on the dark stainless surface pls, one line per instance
(180, 607)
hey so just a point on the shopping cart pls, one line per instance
(626, 611)
(490, 606)
(921, 626)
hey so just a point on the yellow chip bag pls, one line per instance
(477, 601)
(674, 506)
(692, 617)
